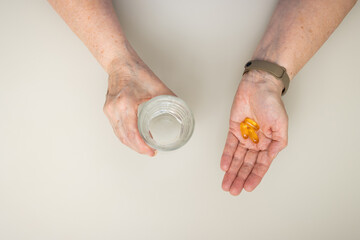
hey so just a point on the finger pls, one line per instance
(260, 168)
(265, 158)
(245, 169)
(228, 153)
(279, 140)
(132, 134)
(236, 162)
(119, 132)
(276, 146)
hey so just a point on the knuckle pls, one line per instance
(248, 166)
(121, 104)
(119, 133)
(142, 151)
(123, 139)
(107, 108)
(285, 143)
(253, 151)
(229, 145)
(117, 105)
(259, 170)
(226, 156)
(117, 128)
(130, 135)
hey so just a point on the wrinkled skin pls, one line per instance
(131, 83)
(245, 163)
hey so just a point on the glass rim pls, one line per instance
(182, 140)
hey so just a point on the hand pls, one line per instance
(131, 82)
(245, 163)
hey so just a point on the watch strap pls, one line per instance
(274, 69)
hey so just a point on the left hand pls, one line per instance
(131, 82)
(258, 97)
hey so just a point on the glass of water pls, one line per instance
(165, 122)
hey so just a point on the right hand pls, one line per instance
(245, 163)
(131, 83)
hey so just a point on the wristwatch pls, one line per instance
(274, 69)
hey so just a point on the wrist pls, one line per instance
(128, 70)
(263, 80)
(123, 57)
(275, 55)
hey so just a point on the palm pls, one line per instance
(245, 162)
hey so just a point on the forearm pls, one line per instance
(96, 24)
(298, 28)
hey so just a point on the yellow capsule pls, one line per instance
(244, 130)
(252, 123)
(253, 136)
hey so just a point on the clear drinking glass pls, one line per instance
(165, 122)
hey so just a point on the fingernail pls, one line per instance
(155, 152)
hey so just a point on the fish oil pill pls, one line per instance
(248, 128)
(244, 130)
(253, 136)
(252, 123)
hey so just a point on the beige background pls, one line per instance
(64, 175)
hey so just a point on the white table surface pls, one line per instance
(64, 174)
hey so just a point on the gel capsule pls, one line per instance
(253, 136)
(252, 123)
(244, 130)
